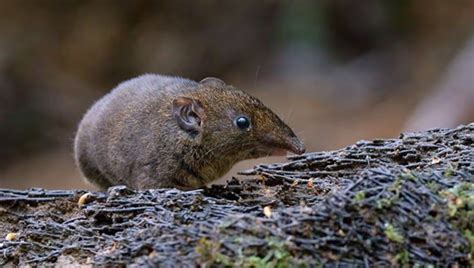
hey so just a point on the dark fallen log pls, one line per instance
(376, 203)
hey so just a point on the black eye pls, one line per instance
(242, 122)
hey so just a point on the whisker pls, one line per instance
(256, 76)
(229, 149)
(290, 113)
(220, 145)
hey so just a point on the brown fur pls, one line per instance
(131, 136)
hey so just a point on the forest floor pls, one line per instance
(375, 203)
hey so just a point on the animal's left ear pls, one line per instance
(189, 114)
(213, 82)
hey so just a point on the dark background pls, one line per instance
(336, 71)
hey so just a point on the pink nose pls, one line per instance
(295, 145)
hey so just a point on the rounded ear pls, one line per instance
(188, 113)
(212, 82)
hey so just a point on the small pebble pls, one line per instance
(267, 211)
(83, 199)
(11, 236)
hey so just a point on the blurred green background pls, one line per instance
(337, 71)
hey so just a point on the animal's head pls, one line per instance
(230, 123)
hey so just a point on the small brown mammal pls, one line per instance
(158, 131)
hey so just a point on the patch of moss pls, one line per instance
(392, 234)
(469, 234)
(408, 175)
(402, 258)
(395, 187)
(460, 209)
(276, 255)
(433, 186)
(384, 203)
(449, 172)
(209, 253)
(359, 196)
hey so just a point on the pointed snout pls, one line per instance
(279, 137)
(294, 145)
(291, 144)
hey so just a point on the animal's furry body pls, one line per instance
(157, 131)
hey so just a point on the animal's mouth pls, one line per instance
(292, 144)
(278, 147)
(279, 152)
